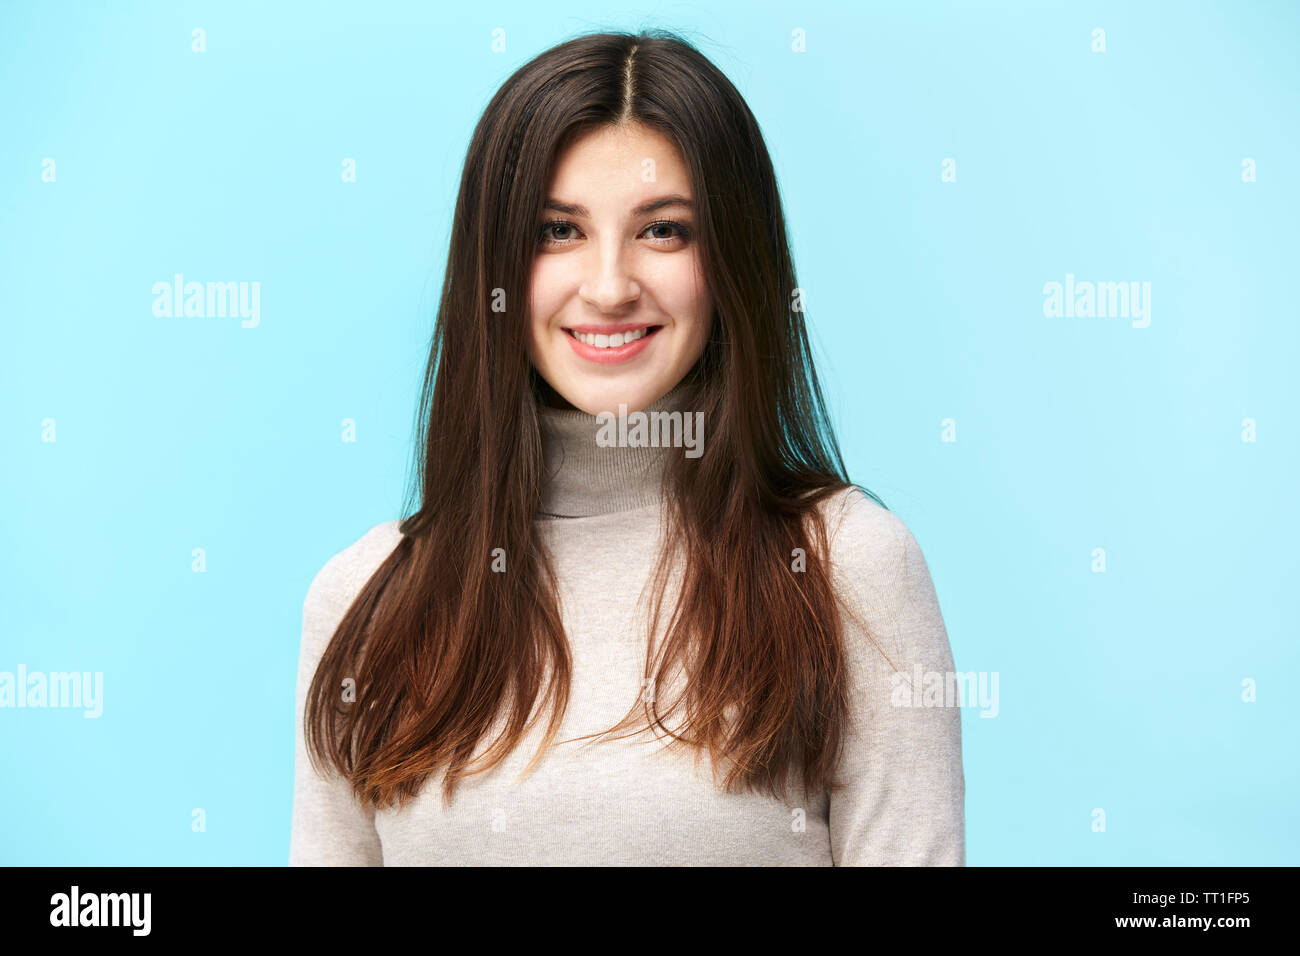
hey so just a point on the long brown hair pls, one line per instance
(438, 645)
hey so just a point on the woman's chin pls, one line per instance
(596, 398)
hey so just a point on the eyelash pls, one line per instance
(682, 232)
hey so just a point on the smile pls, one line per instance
(611, 346)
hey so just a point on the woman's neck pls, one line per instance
(596, 466)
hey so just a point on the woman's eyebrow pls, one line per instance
(573, 209)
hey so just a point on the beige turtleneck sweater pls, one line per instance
(629, 801)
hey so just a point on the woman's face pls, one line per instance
(619, 308)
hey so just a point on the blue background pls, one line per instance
(1118, 690)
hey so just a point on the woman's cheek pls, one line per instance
(544, 296)
(689, 294)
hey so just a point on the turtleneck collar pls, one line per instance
(583, 478)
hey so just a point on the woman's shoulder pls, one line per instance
(875, 554)
(346, 572)
(861, 528)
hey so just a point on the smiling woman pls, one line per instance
(619, 304)
(733, 598)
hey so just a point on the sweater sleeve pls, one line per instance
(330, 827)
(903, 802)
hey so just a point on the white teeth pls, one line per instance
(610, 341)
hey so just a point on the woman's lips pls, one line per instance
(613, 354)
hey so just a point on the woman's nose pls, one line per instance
(610, 285)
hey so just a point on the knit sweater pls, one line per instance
(631, 801)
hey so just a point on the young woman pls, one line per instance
(640, 614)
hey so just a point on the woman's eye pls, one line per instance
(548, 228)
(663, 232)
(561, 233)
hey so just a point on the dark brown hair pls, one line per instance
(438, 645)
